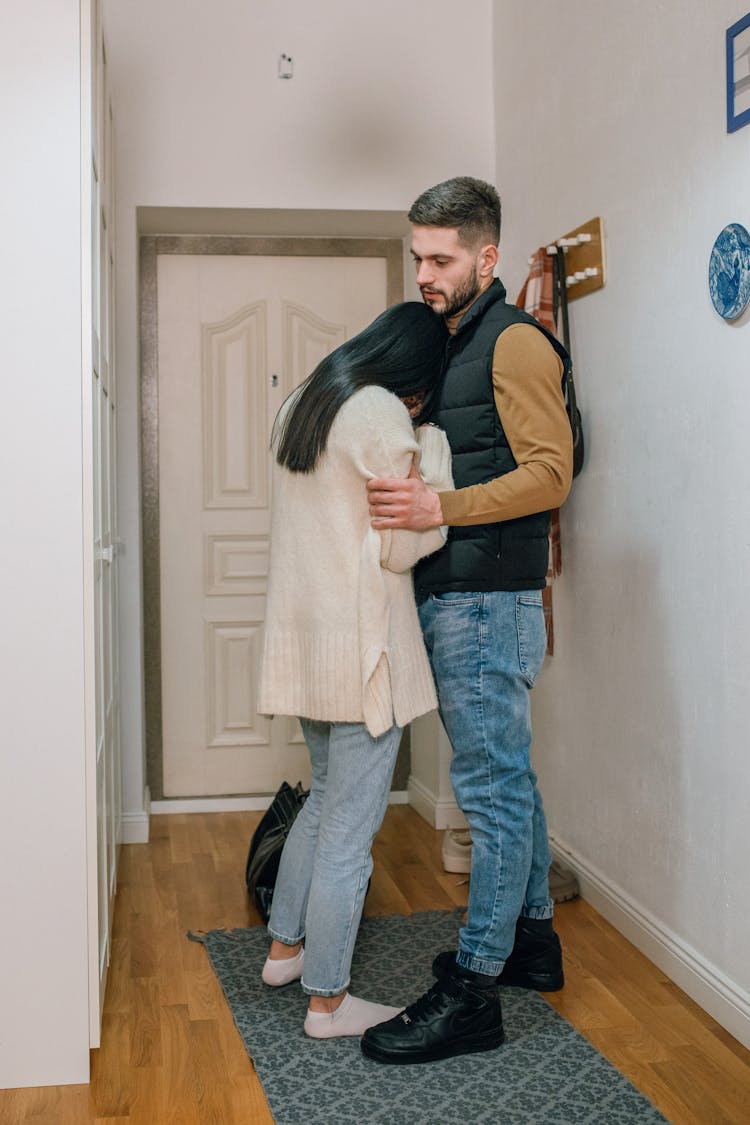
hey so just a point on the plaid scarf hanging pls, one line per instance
(537, 297)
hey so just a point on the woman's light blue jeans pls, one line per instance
(326, 863)
(486, 650)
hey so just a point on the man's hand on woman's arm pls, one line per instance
(403, 503)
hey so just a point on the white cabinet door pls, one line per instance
(235, 335)
(104, 754)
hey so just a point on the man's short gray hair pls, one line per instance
(472, 207)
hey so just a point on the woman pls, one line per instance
(343, 650)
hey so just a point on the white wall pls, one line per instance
(44, 1032)
(387, 98)
(641, 716)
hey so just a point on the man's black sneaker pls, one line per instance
(536, 958)
(459, 1015)
(535, 961)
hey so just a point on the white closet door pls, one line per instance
(103, 397)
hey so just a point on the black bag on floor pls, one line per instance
(268, 842)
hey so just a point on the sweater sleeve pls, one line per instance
(527, 381)
(383, 443)
(402, 549)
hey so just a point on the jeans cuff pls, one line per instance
(538, 911)
(284, 939)
(323, 991)
(479, 964)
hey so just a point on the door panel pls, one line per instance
(236, 335)
(101, 397)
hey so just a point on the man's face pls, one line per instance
(449, 274)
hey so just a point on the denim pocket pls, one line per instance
(455, 598)
(532, 635)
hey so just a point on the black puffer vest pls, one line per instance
(513, 554)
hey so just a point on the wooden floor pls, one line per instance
(170, 1053)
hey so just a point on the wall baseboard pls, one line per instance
(398, 797)
(169, 805)
(134, 827)
(703, 982)
(436, 811)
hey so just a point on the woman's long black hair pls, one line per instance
(402, 350)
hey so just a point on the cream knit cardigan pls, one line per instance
(342, 641)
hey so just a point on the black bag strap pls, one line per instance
(560, 305)
(561, 286)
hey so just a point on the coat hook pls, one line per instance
(582, 251)
(581, 275)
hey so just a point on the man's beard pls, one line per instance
(461, 296)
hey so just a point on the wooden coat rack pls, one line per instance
(585, 269)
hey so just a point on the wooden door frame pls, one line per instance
(150, 247)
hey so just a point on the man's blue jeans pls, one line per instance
(486, 651)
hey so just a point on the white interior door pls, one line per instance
(236, 335)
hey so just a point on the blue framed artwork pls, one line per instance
(738, 74)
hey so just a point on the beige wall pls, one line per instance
(387, 98)
(641, 716)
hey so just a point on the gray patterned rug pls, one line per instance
(544, 1074)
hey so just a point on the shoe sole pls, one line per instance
(564, 896)
(468, 1046)
(457, 866)
(534, 984)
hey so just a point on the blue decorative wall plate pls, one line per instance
(729, 271)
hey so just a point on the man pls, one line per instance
(501, 404)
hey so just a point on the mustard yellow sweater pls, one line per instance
(526, 375)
